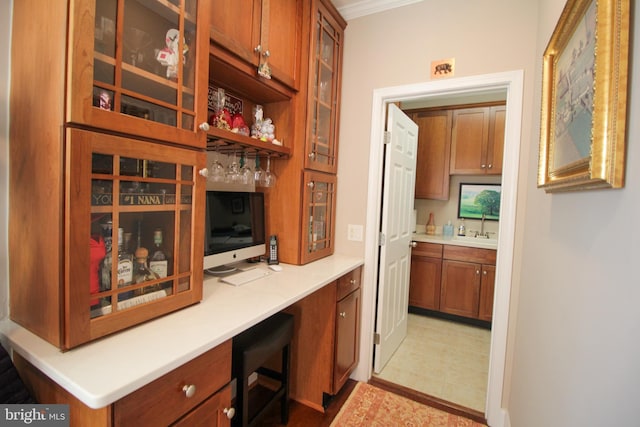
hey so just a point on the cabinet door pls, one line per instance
(434, 151)
(347, 338)
(213, 412)
(325, 70)
(136, 67)
(261, 31)
(235, 25)
(318, 215)
(460, 291)
(424, 283)
(487, 284)
(495, 149)
(114, 184)
(469, 141)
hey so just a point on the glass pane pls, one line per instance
(184, 243)
(147, 110)
(105, 28)
(103, 98)
(104, 70)
(186, 173)
(188, 121)
(327, 48)
(102, 163)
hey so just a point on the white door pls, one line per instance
(395, 250)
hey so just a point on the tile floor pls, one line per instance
(444, 359)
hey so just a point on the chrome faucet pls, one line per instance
(482, 225)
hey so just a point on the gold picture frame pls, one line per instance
(584, 98)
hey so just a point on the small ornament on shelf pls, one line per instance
(169, 56)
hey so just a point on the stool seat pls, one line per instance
(251, 349)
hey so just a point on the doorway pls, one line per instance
(512, 84)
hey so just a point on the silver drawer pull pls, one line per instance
(189, 390)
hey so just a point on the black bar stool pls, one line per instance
(251, 349)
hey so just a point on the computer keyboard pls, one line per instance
(242, 277)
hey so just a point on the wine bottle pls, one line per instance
(159, 262)
(125, 264)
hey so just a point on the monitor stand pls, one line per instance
(223, 270)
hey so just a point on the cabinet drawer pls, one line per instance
(465, 253)
(348, 283)
(431, 250)
(163, 401)
(211, 413)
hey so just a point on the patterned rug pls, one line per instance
(371, 406)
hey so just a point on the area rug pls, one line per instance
(371, 406)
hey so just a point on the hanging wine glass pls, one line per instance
(216, 170)
(233, 170)
(245, 172)
(258, 173)
(269, 177)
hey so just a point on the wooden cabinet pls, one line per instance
(434, 151)
(261, 32)
(477, 140)
(325, 77)
(330, 319)
(75, 183)
(136, 67)
(425, 276)
(300, 214)
(487, 285)
(467, 273)
(196, 393)
(347, 340)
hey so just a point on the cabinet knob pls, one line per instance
(353, 281)
(483, 166)
(343, 314)
(478, 272)
(258, 48)
(490, 166)
(204, 126)
(484, 272)
(413, 244)
(204, 172)
(229, 412)
(266, 53)
(189, 390)
(312, 155)
(310, 184)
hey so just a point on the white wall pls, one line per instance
(577, 349)
(6, 8)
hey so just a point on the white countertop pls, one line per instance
(106, 370)
(456, 241)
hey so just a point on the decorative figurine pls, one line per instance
(169, 56)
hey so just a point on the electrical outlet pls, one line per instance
(355, 232)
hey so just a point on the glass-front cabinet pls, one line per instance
(324, 93)
(318, 215)
(135, 206)
(148, 64)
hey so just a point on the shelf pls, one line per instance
(228, 142)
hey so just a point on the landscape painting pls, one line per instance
(477, 200)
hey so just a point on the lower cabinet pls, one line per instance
(451, 279)
(425, 276)
(196, 390)
(325, 345)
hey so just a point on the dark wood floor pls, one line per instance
(303, 416)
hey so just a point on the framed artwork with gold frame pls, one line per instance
(584, 98)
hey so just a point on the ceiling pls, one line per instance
(351, 9)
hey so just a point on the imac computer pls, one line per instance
(234, 229)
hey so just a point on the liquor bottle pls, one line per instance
(141, 272)
(107, 262)
(159, 262)
(125, 265)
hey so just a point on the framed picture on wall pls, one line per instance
(584, 97)
(477, 200)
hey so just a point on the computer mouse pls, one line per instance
(275, 267)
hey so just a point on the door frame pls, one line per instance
(512, 82)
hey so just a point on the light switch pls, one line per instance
(355, 232)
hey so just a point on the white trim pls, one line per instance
(368, 7)
(512, 82)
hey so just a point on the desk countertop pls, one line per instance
(141, 354)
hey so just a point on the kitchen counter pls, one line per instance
(457, 241)
(104, 371)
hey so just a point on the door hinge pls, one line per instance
(382, 239)
(376, 338)
(386, 138)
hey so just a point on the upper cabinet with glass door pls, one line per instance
(324, 92)
(146, 71)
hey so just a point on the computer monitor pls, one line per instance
(234, 229)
